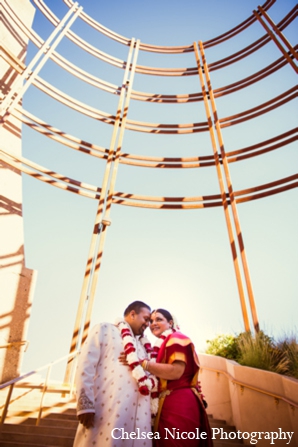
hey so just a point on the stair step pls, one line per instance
(54, 404)
(59, 412)
(221, 424)
(38, 430)
(29, 435)
(18, 444)
(212, 419)
(35, 403)
(49, 421)
(229, 443)
(36, 440)
(58, 424)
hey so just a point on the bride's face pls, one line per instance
(159, 324)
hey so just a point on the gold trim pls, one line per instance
(165, 393)
(162, 397)
(177, 356)
(178, 341)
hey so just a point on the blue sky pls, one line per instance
(179, 260)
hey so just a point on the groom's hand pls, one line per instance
(87, 419)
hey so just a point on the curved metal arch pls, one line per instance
(49, 176)
(170, 49)
(161, 98)
(160, 128)
(252, 79)
(265, 107)
(73, 103)
(237, 29)
(277, 37)
(97, 151)
(148, 161)
(154, 202)
(58, 135)
(97, 114)
(284, 23)
(263, 147)
(158, 71)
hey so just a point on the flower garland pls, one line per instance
(148, 384)
(159, 342)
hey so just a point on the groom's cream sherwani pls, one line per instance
(106, 387)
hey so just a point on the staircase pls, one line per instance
(58, 423)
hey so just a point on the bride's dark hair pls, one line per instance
(165, 313)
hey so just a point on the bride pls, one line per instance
(181, 419)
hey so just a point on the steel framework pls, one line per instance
(220, 159)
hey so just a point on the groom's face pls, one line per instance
(139, 322)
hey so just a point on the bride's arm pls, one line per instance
(166, 371)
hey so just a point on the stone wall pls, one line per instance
(244, 407)
(16, 281)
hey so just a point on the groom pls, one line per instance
(108, 394)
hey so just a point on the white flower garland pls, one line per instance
(148, 384)
(159, 342)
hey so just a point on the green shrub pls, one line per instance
(258, 351)
(289, 345)
(224, 346)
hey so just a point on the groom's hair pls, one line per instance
(136, 306)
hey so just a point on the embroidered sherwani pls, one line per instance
(106, 387)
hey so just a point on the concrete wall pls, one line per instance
(16, 281)
(246, 409)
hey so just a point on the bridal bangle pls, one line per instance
(145, 364)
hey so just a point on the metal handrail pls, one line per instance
(16, 343)
(48, 366)
(245, 385)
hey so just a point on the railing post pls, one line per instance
(7, 402)
(73, 373)
(45, 387)
(12, 383)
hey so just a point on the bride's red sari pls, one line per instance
(181, 415)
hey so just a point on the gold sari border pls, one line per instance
(177, 356)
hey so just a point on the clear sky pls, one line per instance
(181, 259)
